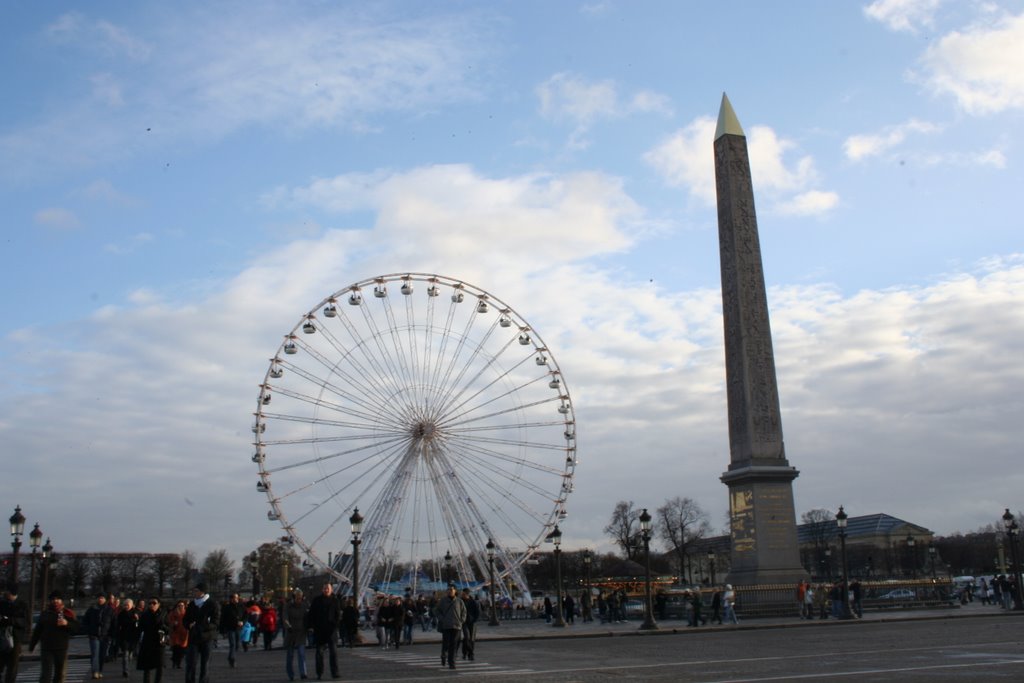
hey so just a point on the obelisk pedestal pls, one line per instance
(760, 479)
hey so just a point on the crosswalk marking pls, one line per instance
(76, 671)
(476, 667)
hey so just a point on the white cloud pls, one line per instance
(813, 203)
(209, 74)
(97, 35)
(859, 147)
(903, 15)
(56, 218)
(539, 218)
(902, 380)
(570, 97)
(103, 190)
(982, 67)
(684, 160)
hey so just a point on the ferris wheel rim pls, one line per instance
(288, 522)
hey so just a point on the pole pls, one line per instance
(559, 616)
(846, 579)
(355, 570)
(490, 568)
(649, 623)
(32, 593)
(47, 552)
(645, 533)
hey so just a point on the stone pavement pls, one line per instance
(519, 629)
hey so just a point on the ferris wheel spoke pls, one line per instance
(376, 450)
(329, 367)
(373, 374)
(508, 476)
(378, 459)
(457, 385)
(370, 409)
(504, 396)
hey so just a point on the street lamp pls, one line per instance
(490, 568)
(356, 524)
(17, 521)
(34, 539)
(645, 533)
(931, 556)
(910, 551)
(254, 569)
(841, 518)
(47, 558)
(588, 599)
(556, 537)
(711, 564)
(1012, 530)
(448, 567)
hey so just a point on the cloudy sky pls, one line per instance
(182, 182)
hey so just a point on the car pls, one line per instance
(899, 594)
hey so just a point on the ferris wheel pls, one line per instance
(433, 408)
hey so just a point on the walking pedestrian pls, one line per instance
(127, 633)
(52, 633)
(729, 602)
(469, 625)
(294, 621)
(13, 616)
(716, 607)
(96, 624)
(232, 616)
(451, 614)
(268, 624)
(350, 623)
(323, 618)
(153, 635)
(202, 617)
(179, 634)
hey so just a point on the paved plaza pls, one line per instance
(977, 642)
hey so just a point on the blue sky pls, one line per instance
(183, 182)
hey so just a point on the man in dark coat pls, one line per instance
(97, 623)
(13, 615)
(53, 631)
(231, 618)
(469, 625)
(451, 614)
(324, 615)
(202, 617)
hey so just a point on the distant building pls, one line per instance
(877, 546)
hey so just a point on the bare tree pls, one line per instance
(679, 523)
(624, 528)
(820, 527)
(216, 566)
(165, 567)
(186, 568)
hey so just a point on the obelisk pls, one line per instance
(760, 479)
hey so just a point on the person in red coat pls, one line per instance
(268, 625)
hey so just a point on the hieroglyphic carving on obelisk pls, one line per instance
(760, 479)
